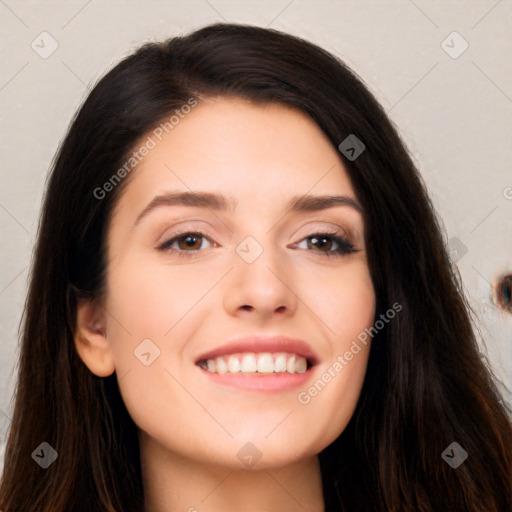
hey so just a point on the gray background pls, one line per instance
(453, 109)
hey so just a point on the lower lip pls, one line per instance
(260, 382)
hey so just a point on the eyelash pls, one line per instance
(344, 246)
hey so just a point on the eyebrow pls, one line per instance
(219, 202)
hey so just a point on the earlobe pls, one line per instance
(91, 339)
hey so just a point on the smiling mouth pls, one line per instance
(251, 363)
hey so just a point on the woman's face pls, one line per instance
(254, 269)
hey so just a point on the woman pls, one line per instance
(241, 300)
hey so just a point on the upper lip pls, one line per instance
(258, 344)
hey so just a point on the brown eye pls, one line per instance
(328, 244)
(183, 243)
(189, 242)
(317, 242)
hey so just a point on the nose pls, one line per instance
(262, 288)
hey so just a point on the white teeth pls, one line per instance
(221, 365)
(233, 364)
(290, 365)
(280, 363)
(265, 363)
(248, 363)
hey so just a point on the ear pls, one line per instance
(91, 338)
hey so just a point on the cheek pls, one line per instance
(139, 308)
(150, 304)
(144, 302)
(147, 299)
(344, 301)
(347, 306)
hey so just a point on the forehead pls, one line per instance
(254, 153)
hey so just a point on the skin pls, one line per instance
(191, 429)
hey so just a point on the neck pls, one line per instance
(176, 484)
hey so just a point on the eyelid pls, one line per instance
(327, 227)
(184, 227)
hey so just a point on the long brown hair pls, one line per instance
(426, 385)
